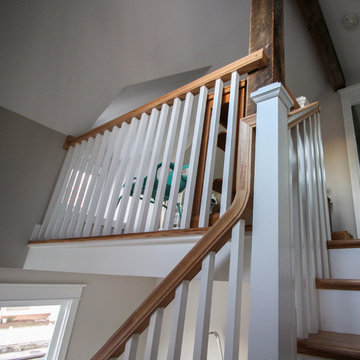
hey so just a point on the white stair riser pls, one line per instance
(344, 263)
(340, 311)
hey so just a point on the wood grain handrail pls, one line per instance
(212, 241)
(297, 116)
(249, 63)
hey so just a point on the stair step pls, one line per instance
(221, 142)
(341, 235)
(343, 244)
(338, 284)
(331, 345)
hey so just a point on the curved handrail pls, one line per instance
(212, 241)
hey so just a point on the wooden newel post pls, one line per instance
(272, 332)
(267, 32)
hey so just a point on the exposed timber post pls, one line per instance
(266, 31)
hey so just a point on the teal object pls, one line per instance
(182, 185)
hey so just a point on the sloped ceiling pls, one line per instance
(62, 62)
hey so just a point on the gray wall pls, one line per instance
(30, 159)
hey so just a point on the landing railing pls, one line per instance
(142, 171)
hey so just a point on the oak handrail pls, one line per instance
(249, 63)
(297, 116)
(212, 241)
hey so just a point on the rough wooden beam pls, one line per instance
(266, 31)
(315, 22)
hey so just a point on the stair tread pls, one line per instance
(343, 244)
(331, 345)
(338, 284)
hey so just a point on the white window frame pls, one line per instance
(66, 295)
(350, 96)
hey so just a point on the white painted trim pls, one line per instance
(348, 97)
(65, 295)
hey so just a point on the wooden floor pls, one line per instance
(331, 345)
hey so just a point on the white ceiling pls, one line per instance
(63, 62)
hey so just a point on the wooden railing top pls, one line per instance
(212, 241)
(249, 63)
(297, 116)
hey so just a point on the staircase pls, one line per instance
(119, 197)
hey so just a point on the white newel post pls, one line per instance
(272, 332)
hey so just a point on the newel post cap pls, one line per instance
(271, 91)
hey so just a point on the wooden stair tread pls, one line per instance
(343, 244)
(221, 141)
(152, 234)
(331, 345)
(341, 235)
(338, 284)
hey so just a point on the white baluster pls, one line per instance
(308, 254)
(68, 211)
(177, 326)
(119, 176)
(230, 146)
(56, 196)
(131, 347)
(84, 186)
(164, 170)
(311, 201)
(141, 173)
(324, 202)
(233, 317)
(77, 227)
(153, 337)
(130, 175)
(296, 253)
(152, 173)
(210, 155)
(107, 189)
(179, 159)
(204, 308)
(194, 159)
(56, 220)
(114, 139)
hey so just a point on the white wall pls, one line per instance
(106, 302)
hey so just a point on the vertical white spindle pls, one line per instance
(107, 189)
(58, 214)
(233, 316)
(322, 177)
(152, 173)
(77, 227)
(307, 245)
(194, 159)
(153, 337)
(228, 171)
(141, 172)
(84, 187)
(130, 175)
(164, 170)
(78, 184)
(56, 196)
(119, 176)
(311, 201)
(320, 201)
(179, 159)
(114, 138)
(177, 326)
(131, 347)
(210, 155)
(296, 253)
(204, 308)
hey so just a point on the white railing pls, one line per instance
(310, 216)
(141, 174)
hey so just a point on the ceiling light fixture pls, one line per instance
(350, 21)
